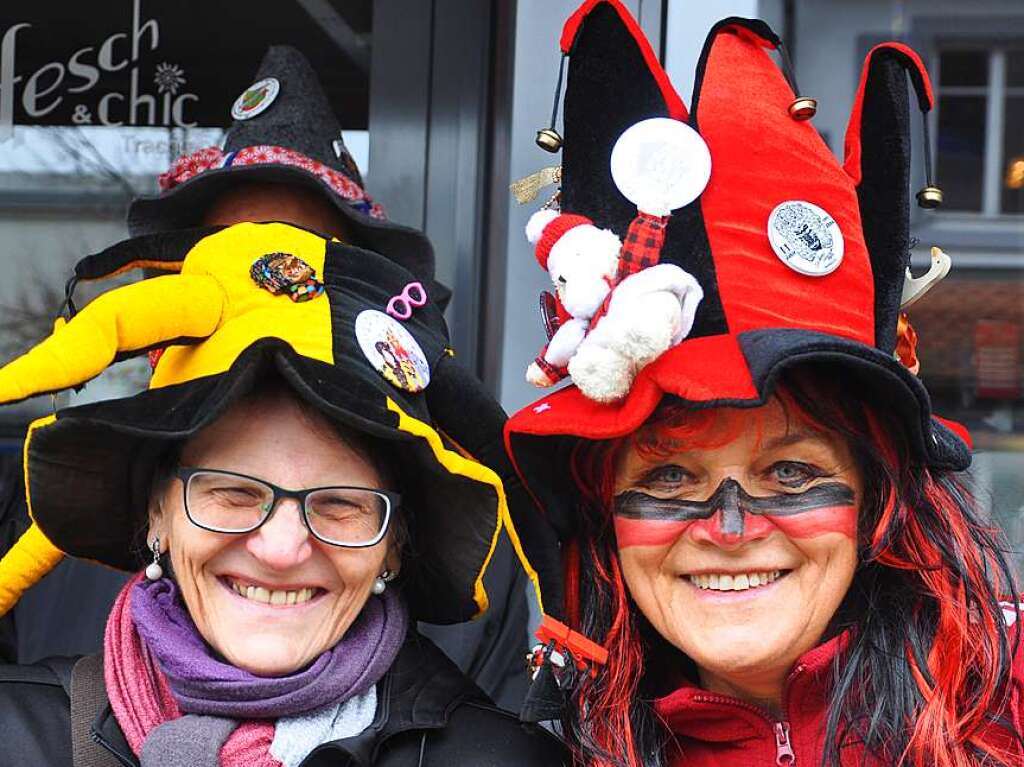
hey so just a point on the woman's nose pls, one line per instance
(283, 541)
(730, 527)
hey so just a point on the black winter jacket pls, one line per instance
(428, 715)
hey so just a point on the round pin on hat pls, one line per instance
(660, 165)
(256, 99)
(392, 351)
(805, 238)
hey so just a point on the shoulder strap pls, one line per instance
(38, 673)
(88, 697)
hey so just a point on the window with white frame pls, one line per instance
(980, 128)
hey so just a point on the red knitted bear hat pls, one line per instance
(799, 258)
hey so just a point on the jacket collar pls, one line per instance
(692, 712)
(418, 692)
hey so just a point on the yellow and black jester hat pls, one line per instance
(239, 304)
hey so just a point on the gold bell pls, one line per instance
(929, 197)
(549, 140)
(803, 108)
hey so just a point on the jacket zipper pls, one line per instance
(783, 748)
(784, 755)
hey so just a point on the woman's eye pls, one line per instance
(239, 496)
(666, 476)
(793, 473)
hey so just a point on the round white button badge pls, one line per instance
(805, 238)
(256, 99)
(660, 165)
(392, 351)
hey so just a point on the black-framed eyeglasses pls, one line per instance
(228, 502)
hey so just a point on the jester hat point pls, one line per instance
(240, 304)
(799, 259)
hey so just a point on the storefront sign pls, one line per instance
(77, 88)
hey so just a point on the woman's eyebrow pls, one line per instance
(795, 438)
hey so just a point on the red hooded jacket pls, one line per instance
(715, 730)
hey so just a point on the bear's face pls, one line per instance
(582, 265)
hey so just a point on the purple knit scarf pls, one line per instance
(203, 684)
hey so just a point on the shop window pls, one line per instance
(980, 128)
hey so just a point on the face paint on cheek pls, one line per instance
(647, 532)
(643, 520)
(811, 524)
(826, 508)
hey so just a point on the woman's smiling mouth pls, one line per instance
(735, 581)
(274, 597)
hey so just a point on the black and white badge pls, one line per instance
(805, 238)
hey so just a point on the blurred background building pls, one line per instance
(440, 101)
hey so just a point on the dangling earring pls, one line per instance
(380, 583)
(153, 570)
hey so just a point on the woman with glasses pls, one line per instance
(770, 554)
(289, 506)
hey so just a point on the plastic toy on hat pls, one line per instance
(226, 317)
(794, 258)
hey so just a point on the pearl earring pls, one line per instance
(380, 583)
(153, 571)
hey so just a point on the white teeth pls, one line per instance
(276, 597)
(730, 582)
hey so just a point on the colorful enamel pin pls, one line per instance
(285, 273)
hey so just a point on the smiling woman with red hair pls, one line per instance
(766, 553)
(833, 607)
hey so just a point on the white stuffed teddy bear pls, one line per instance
(643, 316)
(581, 261)
(625, 308)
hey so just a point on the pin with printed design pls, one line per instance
(256, 99)
(285, 273)
(805, 238)
(392, 351)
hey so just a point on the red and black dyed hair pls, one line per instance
(927, 591)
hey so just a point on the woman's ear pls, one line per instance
(393, 559)
(157, 522)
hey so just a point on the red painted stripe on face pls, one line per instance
(807, 524)
(648, 532)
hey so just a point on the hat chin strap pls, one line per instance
(128, 320)
(131, 319)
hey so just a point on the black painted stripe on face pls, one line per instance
(734, 502)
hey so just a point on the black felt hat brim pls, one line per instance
(181, 207)
(90, 472)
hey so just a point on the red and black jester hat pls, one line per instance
(758, 315)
